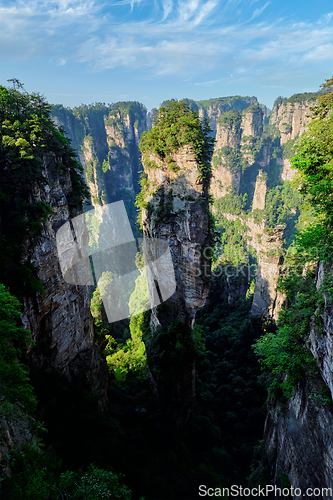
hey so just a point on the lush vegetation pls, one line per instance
(284, 352)
(101, 133)
(37, 475)
(85, 450)
(226, 103)
(175, 126)
(314, 163)
(29, 140)
(229, 157)
(231, 119)
(14, 340)
(301, 97)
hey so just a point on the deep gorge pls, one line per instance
(174, 397)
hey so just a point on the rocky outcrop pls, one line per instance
(287, 173)
(59, 318)
(266, 300)
(320, 340)
(177, 213)
(252, 141)
(291, 118)
(185, 225)
(259, 198)
(214, 108)
(252, 122)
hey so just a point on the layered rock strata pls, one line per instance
(291, 118)
(259, 198)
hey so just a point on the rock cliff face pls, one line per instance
(214, 108)
(291, 118)
(320, 341)
(236, 136)
(247, 141)
(178, 213)
(266, 300)
(60, 319)
(299, 438)
(107, 139)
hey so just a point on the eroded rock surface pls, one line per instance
(299, 436)
(178, 214)
(60, 319)
(291, 118)
(299, 444)
(266, 300)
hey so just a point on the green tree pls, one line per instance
(314, 163)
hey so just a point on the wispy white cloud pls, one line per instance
(259, 11)
(185, 37)
(320, 53)
(167, 8)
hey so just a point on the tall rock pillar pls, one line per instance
(177, 211)
(267, 301)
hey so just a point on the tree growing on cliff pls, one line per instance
(27, 138)
(178, 125)
(314, 163)
(175, 126)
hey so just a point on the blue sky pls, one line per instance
(83, 51)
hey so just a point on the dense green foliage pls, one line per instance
(227, 421)
(28, 139)
(175, 126)
(225, 426)
(231, 119)
(305, 96)
(301, 97)
(14, 340)
(229, 392)
(130, 356)
(314, 163)
(283, 351)
(36, 475)
(229, 157)
(231, 203)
